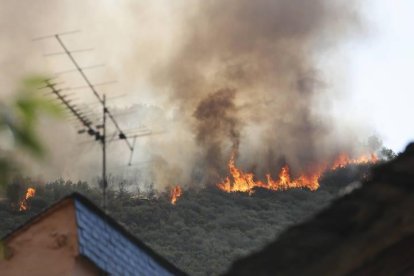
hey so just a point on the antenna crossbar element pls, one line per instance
(50, 83)
(108, 98)
(133, 136)
(75, 70)
(132, 152)
(50, 36)
(64, 53)
(94, 85)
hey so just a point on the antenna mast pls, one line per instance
(103, 140)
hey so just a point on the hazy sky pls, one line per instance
(378, 90)
(381, 72)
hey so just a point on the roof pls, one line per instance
(367, 232)
(106, 243)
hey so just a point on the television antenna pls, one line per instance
(98, 131)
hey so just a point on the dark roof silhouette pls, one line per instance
(107, 244)
(367, 232)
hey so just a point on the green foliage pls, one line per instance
(23, 114)
(20, 118)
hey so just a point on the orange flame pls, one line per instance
(175, 193)
(343, 160)
(240, 181)
(23, 204)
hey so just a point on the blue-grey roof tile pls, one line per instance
(111, 250)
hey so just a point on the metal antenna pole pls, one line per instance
(104, 179)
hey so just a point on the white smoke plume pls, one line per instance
(214, 76)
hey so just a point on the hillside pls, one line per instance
(207, 229)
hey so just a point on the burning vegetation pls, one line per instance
(206, 216)
(24, 203)
(175, 193)
(240, 181)
(343, 160)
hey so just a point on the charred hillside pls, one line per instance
(207, 229)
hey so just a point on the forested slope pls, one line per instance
(207, 229)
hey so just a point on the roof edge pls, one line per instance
(37, 217)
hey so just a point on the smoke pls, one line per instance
(217, 119)
(229, 76)
(262, 58)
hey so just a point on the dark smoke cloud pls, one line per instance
(216, 118)
(267, 51)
